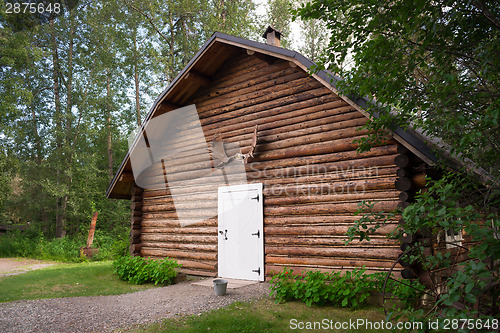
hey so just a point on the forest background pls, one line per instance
(74, 86)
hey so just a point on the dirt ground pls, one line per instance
(13, 266)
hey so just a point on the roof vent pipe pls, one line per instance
(272, 36)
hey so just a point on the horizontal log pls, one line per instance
(317, 105)
(310, 220)
(183, 246)
(189, 264)
(150, 220)
(240, 73)
(276, 268)
(300, 199)
(198, 272)
(334, 230)
(168, 204)
(253, 92)
(342, 161)
(188, 197)
(228, 87)
(187, 230)
(326, 239)
(273, 177)
(326, 262)
(372, 253)
(328, 123)
(181, 238)
(186, 179)
(257, 175)
(198, 215)
(188, 150)
(178, 255)
(331, 146)
(192, 157)
(207, 265)
(283, 94)
(286, 196)
(386, 206)
(289, 195)
(339, 125)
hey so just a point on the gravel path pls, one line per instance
(111, 313)
(13, 266)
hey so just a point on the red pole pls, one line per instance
(90, 239)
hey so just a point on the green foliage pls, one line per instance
(368, 223)
(65, 116)
(264, 315)
(442, 207)
(33, 244)
(139, 270)
(435, 64)
(350, 289)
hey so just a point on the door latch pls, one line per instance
(256, 270)
(224, 233)
(256, 198)
(257, 234)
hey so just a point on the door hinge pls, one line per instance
(257, 234)
(256, 198)
(256, 270)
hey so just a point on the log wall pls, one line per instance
(313, 177)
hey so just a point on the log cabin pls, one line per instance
(247, 163)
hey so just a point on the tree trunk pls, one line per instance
(109, 148)
(60, 221)
(136, 80)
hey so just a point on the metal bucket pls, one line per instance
(220, 287)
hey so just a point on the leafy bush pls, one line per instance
(350, 289)
(32, 244)
(139, 270)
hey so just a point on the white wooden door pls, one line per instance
(241, 232)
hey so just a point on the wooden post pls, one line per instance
(90, 238)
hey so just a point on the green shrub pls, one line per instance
(350, 289)
(61, 249)
(139, 270)
(31, 243)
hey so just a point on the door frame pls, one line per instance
(260, 222)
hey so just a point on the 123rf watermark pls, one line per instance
(433, 324)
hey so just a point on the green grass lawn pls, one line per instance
(263, 316)
(66, 280)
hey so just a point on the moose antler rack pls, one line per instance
(219, 151)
